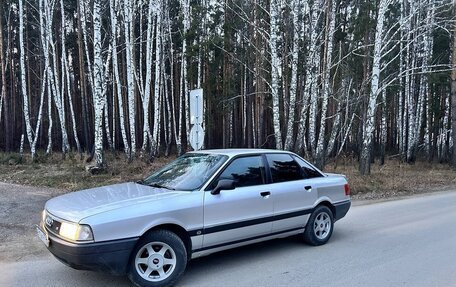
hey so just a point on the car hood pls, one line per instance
(78, 205)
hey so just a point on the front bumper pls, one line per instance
(108, 256)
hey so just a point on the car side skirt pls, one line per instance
(238, 243)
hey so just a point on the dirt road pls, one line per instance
(20, 209)
(406, 242)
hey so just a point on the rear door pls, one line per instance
(240, 214)
(294, 192)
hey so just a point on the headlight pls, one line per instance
(76, 232)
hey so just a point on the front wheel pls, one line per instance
(319, 227)
(158, 260)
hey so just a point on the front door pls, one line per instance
(237, 215)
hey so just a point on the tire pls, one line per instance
(319, 227)
(158, 260)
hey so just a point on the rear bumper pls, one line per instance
(341, 209)
(109, 256)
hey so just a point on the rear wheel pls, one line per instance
(319, 227)
(158, 260)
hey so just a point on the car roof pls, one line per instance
(234, 151)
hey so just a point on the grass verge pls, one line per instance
(392, 179)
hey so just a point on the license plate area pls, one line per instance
(42, 236)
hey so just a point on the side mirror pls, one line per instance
(223, 184)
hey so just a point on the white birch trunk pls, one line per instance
(66, 77)
(147, 88)
(312, 70)
(289, 143)
(84, 10)
(104, 86)
(158, 60)
(372, 103)
(334, 131)
(400, 114)
(185, 6)
(52, 74)
(327, 90)
(23, 81)
(128, 26)
(46, 67)
(113, 8)
(58, 96)
(383, 127)
(98, 82)
(184, 81)
(274, 12)
(171, 60)
(40, 116)
(49, 104)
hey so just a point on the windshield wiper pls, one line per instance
(159, 186)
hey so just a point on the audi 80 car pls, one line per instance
(201, 203)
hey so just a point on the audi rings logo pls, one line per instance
(49, 221)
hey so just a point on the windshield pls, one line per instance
(188, 172)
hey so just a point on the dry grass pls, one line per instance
(396, 178)
(70, 173)
(393, 179)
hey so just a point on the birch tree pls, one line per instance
(152, 11)
(157, 84)
(23, 81)
(330, 27)
(129, 38)
(114, 8)
(453, 91)
(274, 12)
(312, 71)
(365, 159)
(97, 83)
(300, 75)
(65, 71)
(185, 6)
(289, 142)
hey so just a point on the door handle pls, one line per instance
(265, 193)
(308, 188)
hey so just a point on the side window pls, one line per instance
(245, 171)
(283, 168)
(309, 172)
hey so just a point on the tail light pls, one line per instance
(347, 189)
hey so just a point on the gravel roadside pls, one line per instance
(21, 206)
(20, 210)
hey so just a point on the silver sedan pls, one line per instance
(201, 203)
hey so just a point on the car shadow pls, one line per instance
(222, 261)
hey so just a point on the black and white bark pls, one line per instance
(114, 11)
(326, 89)
(98, 97)
(365, 159)
(453, 91)
(289, 139)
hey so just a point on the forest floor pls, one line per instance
(393, 179)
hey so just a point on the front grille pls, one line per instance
(52, 224)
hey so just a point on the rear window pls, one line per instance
(307, 169)
(283, 168)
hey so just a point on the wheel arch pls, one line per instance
(329, 205)
(181, 232)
